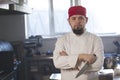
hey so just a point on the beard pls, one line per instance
(78, 31)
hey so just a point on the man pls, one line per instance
(77, 47)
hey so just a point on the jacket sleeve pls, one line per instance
(98, 49)
(63, 62)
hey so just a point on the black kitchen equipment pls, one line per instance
(6, 57)
(110, 63)
(32, 45)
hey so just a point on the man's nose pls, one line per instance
(78, 21)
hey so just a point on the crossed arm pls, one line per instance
(90, 58)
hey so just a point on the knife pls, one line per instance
(83, 69)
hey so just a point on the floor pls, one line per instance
(117, 78)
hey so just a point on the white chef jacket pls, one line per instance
(74, 45)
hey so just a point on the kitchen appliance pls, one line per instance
(9, 1)
(32, 45)
(6, 57)
(14, 7)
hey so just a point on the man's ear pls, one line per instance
(68, 20)
(86, 19)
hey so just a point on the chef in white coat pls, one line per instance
(77, 47)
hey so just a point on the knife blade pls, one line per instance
(83, 69)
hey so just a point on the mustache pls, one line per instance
(78, 27)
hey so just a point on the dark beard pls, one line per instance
(78, 31)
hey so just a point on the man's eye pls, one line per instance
(81, 18)
(73, 18)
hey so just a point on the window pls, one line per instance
(104, 16)
(38, 20)
(61, 15)
(49, 17)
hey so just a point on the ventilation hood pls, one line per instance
(14, 9)
(20, 8)
(9, 1)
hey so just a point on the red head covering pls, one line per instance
(77, 10)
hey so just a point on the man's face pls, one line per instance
(78, 23)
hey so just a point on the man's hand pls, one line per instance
(90, 58)
(63, 53)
